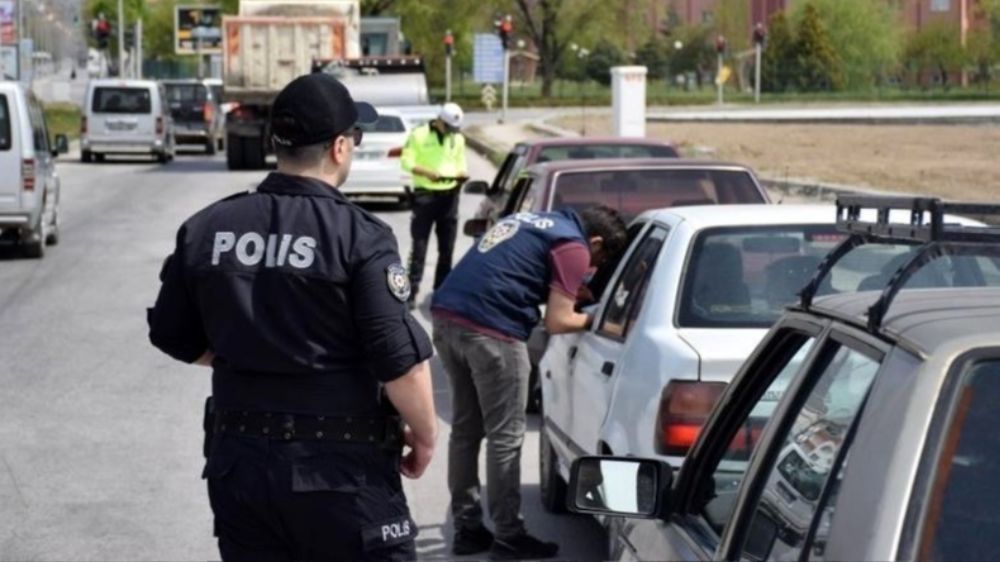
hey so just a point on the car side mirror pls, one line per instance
(476, 187)
(620, 486)
(476, 227)
(62, 145)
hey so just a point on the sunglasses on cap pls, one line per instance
(355, 134)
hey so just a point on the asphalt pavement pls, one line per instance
(100, 433)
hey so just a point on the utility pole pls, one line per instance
(759, 36)
(138, 49)
(720, 49)
(449, 51)
(20, 39)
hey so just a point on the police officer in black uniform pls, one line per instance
(296, 298)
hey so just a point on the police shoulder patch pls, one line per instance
(398, 281)
(501, 232)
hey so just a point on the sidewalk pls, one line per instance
(494, 141)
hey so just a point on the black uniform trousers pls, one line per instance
(437, 210)
(307, 500)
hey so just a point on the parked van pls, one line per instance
(29, 185)
(126, 117)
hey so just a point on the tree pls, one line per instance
(697, 52)
(865, 35)
(779, 60)
(655, 56)
(935, 50)
(376, 7)
(819, 67)
(552, 25)
(605, 55)
(424, 24)
(732, 21)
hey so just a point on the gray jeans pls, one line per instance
(489, 391)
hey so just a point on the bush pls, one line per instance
(818, 65)
(63, 119)
(602, 58)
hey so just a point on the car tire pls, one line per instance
(52, 237)
(35, 249)
(234, 153)
(220, 144)
(551, 487)
(253, 153)
(86, 157)
(210, 146)
(162, 157)
(98, 157)
(534, 392)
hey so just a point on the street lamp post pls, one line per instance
(121, 39)
(581, 55)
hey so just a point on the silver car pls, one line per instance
(126, 117)
(883, 444)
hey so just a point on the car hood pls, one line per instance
(722, 351)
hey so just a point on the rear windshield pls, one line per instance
(186, 93)
(4, 124)
(122, 100)
(744, 277)
(384, 124)
(634, 191)
(592, 151)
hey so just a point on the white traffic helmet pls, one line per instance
(451, 115)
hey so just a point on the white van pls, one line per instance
(126, 117)
(29, 185)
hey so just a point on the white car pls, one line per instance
(29, 184)
(694, 294)
(126, 117)
(376, 168)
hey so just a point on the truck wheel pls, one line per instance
(163, 157)
(253, 153)
(33, 243)
(552, 488)
(234, 152)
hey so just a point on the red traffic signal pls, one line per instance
(720, 44)
(759, 34)
(449, 43)
(505, 28)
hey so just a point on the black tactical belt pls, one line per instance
(376, 430)
(435, 192)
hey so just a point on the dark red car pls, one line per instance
(543, 150)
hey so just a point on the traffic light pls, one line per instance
(720, 44)
(102, 30)
(759, 34)
(449, 43)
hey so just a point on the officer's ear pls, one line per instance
(340, 150)
(596, 249)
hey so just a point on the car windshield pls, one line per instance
(592, 151)
(4, 124)
(186, 93)
(122, 100)
(633, 191)
(384, 124)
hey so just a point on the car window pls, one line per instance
(5, 127)
(122, 100)
(517, 196)
(625, 301)
(631, 192)
(39, 136)
(962, 517)
(869, 268)
(186, 93)
(602, 276)
(744, 277)
(791, 500)
(594, 151)
(509, 169)
(384, 124)
(719, 497)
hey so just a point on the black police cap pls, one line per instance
(315, 108)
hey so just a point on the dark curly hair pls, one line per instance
(603, 221)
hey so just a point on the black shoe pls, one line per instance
(522, 547)
(472, 540)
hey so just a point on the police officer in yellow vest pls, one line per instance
(435, 156)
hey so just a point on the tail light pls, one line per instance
(240, 112)
(28, 174)
(396, 152)
(83, 125)
(684, 409)
(159, 125)
(208, 113)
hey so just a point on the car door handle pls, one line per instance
(607, 368)
(572, 352)
(548, 374)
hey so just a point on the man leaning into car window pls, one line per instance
(483, 315)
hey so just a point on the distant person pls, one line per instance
(483, 314)
(435, 156)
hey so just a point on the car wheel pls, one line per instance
(52, 238)
(234, 152)
(534, 392)
(552, 487)
(220, 144)
(253, 153)
(86, 157)
(34, 247)
(162, 157)
(210, 146)
(98, 158)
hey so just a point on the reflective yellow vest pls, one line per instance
(425, 150)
